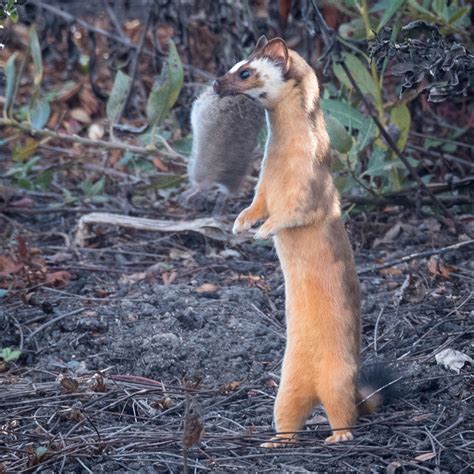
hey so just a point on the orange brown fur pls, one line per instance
(299, 204)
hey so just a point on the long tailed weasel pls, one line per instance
(225, 133)
(299, 204)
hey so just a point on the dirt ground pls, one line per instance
(108, 347)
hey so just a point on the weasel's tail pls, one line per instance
(377, 386)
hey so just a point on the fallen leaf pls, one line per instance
(177, 254)
(95, 132)
(438, 268)
(22, 203)
(169, 277)
(97, 384)
(425, 457)
(69, 384)
(270, 383)
(22, 247)
(206, 288)
(453, 360)
(160, 165)
(423, 417)
(229, 387)
(393, 466)
(391, 271)
(58, 278)
(80, 115)
(389, 236)
(60, 257)
(8, 266)
(193, 425)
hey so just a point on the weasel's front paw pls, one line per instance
(265, 231)
(244, 221)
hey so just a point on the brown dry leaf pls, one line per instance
(393, 466)
(270, 383)
(169, 277)
(229, 387)
(391, 271)
(438, 268)
(69, 92)
(389, 236)
(177, 254)
(58, 278)
(163, 404)
(60, 257)
(425, 456)
(23, 202)
(8, 266)
(206, 288)
(22, 247)
(193, 425)
(160, 165)
(88, 101)
(80, 115)
(423, 417)
(69, 384)
(97, 384)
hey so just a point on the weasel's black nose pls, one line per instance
(216, 85)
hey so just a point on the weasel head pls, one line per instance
(262, 76)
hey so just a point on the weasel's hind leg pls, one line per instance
(295, 399)
(338, 396)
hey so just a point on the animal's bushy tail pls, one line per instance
(377, 385)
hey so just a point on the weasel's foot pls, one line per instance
(279, 442)
(338, 437)
(246, 219)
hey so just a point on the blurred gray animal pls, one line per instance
(225, 132)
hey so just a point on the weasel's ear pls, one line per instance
(277, 50)
(262, 41)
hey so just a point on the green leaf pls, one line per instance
(183, 145)
(118, 96)
(401, 118)
(353, 30)
(341, 141)
(13, 14)
(346, 114)
(166, 88)
(40, 451)
(98, 187)
(10, 73)
(40, 111)
(44, 179)
(166, 181)
(8, 355)
(365, 137)
(378, 164)
(359, 71)
(3, 293)
(393, 7)
(36, 55)
(459, 14)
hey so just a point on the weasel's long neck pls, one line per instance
(297, 121)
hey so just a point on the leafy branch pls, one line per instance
(160, 102)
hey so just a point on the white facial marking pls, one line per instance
(273, 78)
(236, 67)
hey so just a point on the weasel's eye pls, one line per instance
(245, 74)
